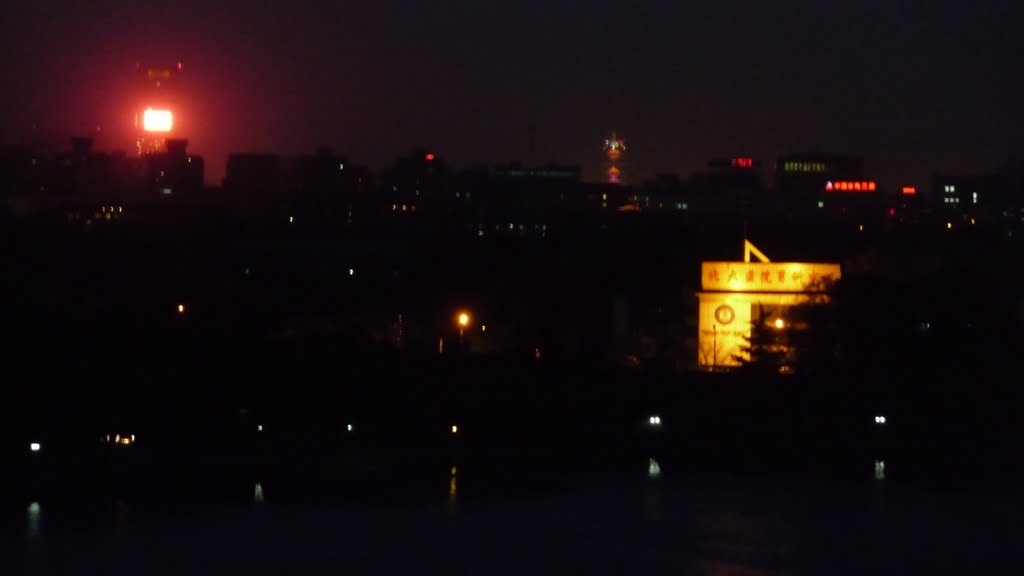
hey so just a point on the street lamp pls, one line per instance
(462, 320)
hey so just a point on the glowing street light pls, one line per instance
(35, 447)
(463, 320)
(779, 323)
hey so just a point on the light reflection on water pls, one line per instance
(453, 489)
(34, 515)
(590, 523)
(653, 468)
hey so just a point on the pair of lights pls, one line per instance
(35, 447)
(880, 420)
(654, 420)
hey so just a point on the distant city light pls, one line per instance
(455, 429)
(351, 272)
(949, 225)
(348, 428)
(654, 420)
(909, 190)
(35, 447)
(157, 120)
(879, 469)
(181, 308)
(259, 427)
(879, 419)
(743, 162)
(463, 319)
(291, 219)
(430, 157)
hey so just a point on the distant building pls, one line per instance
(989, 197)
(174, 172)
(801, 180)
(728, 185)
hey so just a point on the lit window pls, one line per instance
(974, 197)
(821, 204)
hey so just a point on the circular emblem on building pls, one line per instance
(725, 314)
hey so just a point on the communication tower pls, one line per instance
(614, 148)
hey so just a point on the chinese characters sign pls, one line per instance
(862, 186)
(767, 276)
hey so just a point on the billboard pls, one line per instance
(157, 120)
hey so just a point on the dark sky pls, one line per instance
(913, 86)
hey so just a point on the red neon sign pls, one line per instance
(857, 186)
(909, 190)
(430, 157)
(742, 162)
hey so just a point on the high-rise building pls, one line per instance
(157, 108)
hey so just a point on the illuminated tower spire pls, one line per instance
(614, 148)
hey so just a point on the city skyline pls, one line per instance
(912, 91)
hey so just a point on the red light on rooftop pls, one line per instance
(909, 190)
(743, 162)
(430, 157)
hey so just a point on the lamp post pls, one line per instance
(462, 320)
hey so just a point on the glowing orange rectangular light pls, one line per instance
(909, 190)
(157, 120)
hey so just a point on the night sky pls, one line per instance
(912, 86)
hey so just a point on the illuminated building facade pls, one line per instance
(614, 149)
(157, 108)
(728, 185)
(800, 179)
(736, 295)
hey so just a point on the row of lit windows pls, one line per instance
(804, 166)
(956, 199)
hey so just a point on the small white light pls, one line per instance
(654, 420)
(879, 419)
(259, 427)
(455, 429)
(35, 447)
(351, 272)
(349, 427)
(291, 219)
